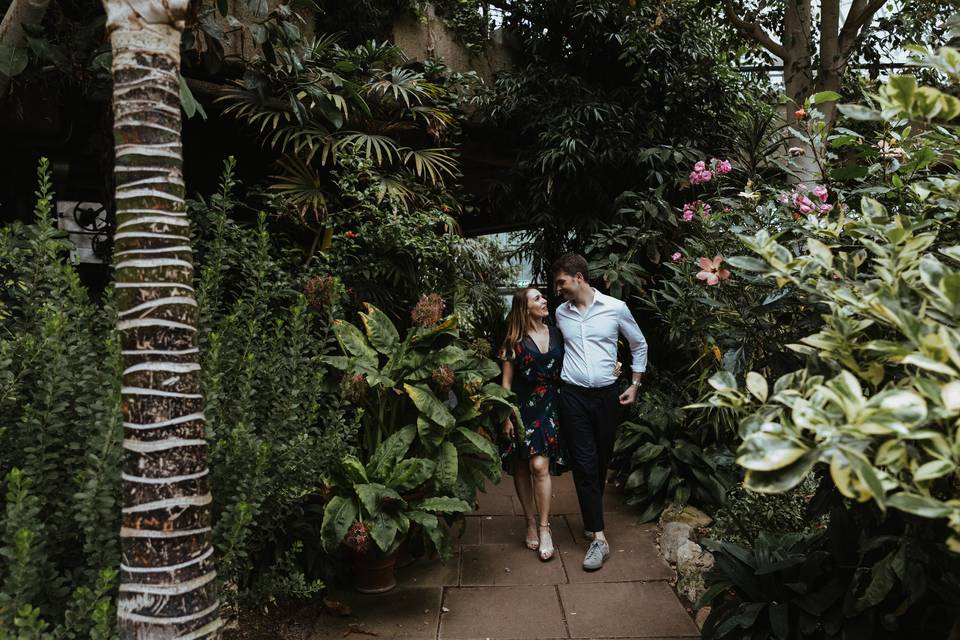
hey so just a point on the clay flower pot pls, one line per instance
(372, 571)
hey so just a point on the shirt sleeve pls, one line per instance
(638, 344)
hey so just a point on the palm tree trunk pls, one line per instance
(167, 583)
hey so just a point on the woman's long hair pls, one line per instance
(517, 321)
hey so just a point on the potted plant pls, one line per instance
(426, 402)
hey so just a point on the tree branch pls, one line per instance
(753, 30)
(19, 13)
(858, 19)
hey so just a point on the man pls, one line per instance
(589, 400)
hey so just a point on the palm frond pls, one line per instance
(302, 187)
(431, 163)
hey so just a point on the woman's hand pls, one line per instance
(508, 428)
(617, 370)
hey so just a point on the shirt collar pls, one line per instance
(598, 298)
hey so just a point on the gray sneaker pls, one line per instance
(597, 552)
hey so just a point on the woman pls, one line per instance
(532, 357)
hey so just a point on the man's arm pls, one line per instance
(638, 350)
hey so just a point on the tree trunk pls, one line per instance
(832, 63)
(167, 578)
(797, 61)
(19, 13)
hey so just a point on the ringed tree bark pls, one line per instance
(167, 578)
(837, 43)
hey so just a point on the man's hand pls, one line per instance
(629, 396)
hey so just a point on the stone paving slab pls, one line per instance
(633, 556)
(410, 613)
(471, 532)
(516, 613)
(430, 573)
(495, 504)
(624, 610)
(513, 530)
(508, 564)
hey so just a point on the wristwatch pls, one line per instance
(634, 383)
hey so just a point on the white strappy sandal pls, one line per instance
(547, 549)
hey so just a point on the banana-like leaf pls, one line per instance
(484, 446)
(354, 469)
(390, 451)
(373, 497)
(380, 330)
(411, 473)
(429, 405)
(383, 530)
(338, 515)
(446, 466)
(352, 341)
(443, 504)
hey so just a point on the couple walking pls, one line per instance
(565, 379)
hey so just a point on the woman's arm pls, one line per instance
(506, 381)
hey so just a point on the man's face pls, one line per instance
(566, 284)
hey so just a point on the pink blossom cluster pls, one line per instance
(691, 208)
(806, 201)
(712, 271)
(701, 174)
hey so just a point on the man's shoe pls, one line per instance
(597, 552)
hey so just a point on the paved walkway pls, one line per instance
(494, 588)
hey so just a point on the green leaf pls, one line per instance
(929, 364)
(430, 405)
(933, 469)
(354, 469)
(763, 451)
(383, 530)
(446, 469)
(410, 474)
(859, 112)
(902, 89)
(824, 96)
(431, 434)
(352, 341)
(918, 505)
(373, 494)
(757, 385)
(723, 381)
(748, 263)
(783, 479)
(338, 515)
(485, 446)
(13, 60)
(380, 330)
(188, 102)
(390, 452)
(444, 504)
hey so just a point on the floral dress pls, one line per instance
(536, 381)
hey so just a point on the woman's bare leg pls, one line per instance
(542, 489)
(522, 483)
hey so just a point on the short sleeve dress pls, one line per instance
(536, 381)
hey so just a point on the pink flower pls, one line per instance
(724, 167)
(826, 208)
(783, 198)
(706, 176)
(705, 211)
(821, 192)
(676, 256)
(700, 166)
(687, 215)
(710, 270)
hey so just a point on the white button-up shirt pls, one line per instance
(590, 341)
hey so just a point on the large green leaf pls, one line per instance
(447, 326)
(435, 531)
(354, 469)
(444, 504)
(411, 473)
(767, 451)
(486, 447)
(918, 505)
(383, 530)
(352, 341)
(390, 452)
(380, 330)
(431, 434)
(782, 479)
(430, 405)
(446, 469)
(375, 497)
(338, 515)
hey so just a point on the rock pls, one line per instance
(673, 536)
(692, 565)
(687, 515)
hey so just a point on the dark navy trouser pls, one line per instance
(588, 425)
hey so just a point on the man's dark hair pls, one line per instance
(571, 264)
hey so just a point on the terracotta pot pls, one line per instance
(372, 571)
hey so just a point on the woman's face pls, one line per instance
(537, 304)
